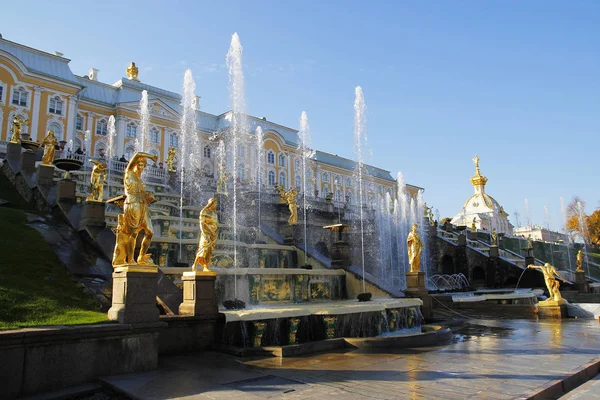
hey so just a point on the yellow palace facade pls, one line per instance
(41, 88)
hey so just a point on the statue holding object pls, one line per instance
(415, 246)
(97, 181)
(49, 143)
(551, 277)
(209, 224)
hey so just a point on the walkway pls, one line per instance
(488, 360)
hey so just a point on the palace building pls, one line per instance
(41, 88)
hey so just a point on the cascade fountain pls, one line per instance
(238, 128)
(360, 141)
(112, 135)
(304, 148)
(188, 131)
(260, 159)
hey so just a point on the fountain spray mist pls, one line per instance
(142, 141)
(188, 131)
(360, 141)
(564, 216)
(304, 147)
(238, 126)
(112, 134)
(260, 159)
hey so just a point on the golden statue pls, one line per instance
(208, 235)
(290, 199)
(474, 225)
(97, 181)
(16, 127)
(49, 144)
(281, 190)
(415, 246)
(136, 214)
(222, 181)
(550, 275)
(132, 72)
(494, 238)
(431, 219)
(425, 210)
(579, 262)
(171, 160)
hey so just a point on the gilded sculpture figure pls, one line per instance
(132, 72)
(551, 277)
(579, 261)
(208, 235)
(49, 143)
(171, 160)
(281, 191)
(431, 219)
(415, 246)
(474, 225)
(16, 128)
(97, 181)
(136, 215)
(290, 199)
(494, 238)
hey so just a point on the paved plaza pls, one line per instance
(489, 359)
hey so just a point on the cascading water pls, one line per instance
(87, 154)
(142, 140)
(238, 127)
(304, 148)
(188, 131)
(360, 141)
(423, 231)
(112, 135)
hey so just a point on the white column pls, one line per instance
(71, 118)
(89, 127)
(120, 136)
(35, 114)
(166, 144)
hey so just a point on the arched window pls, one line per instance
(131, 130)
(298, 182)
(207, 152)
(241, 151)
(57, 129)
(297, 164)
(325, 177)
(281, 160)
(55, 105)
(325, 191)
(129, 153)
(338, 196)
(154, 153)
(100, 149)
(282, 180)
(270, 157)
(77, 145)
(348, 182)
(101, 128)
(173, 140)
(79, 122)
(349, 197)
(207, 169)
(241, 172)
(20, 96)
(271, 178)
(337, 180)
(154, 135)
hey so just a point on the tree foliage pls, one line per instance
(587, 227)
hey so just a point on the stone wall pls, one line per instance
(45, 359)
(187, 334)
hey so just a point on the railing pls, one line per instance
(3, 145)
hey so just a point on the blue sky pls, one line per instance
(517, 82)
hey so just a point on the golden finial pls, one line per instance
(132, 72)
(476, 161)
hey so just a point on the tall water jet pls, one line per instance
(112, 135)
(360, 144)
(527, 216)
(583, 233)
(564, 216)
(188, 131)
(420, 221)
(304, 148)
(547, 217)
(238, 127)
(260, 159)
(141, 142)
(87, 146)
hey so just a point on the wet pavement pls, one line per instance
(500, 359)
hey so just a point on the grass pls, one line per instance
(35, 288)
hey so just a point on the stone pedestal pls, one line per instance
(199, 297)
(65, 191)
(45, 175)
(433, 230)
(28, 161)
(494, 252)
(462, 239)
(288, 234)
(552, 309)
(13, 155)
(581, 283)
(471, 235)
(529, 260)
(340, 254)
(415, 287)
(92, 215)
(134, 294)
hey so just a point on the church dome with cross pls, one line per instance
(481, 209)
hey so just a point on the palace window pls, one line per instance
(207, 170)
(20, 97)
(101, 149)
(79, 122)
(154, 135)
(270, 157)
(337, 180)
(348, 182)
(1, 92)
(325, 177)
(297, 164)
(241, 173)
(338, 196)
(128, 153)
(241, 151)
(281, 160)
(325, 191)
(131, 130)
(271, 178)
(56, 105)
(298, 182)
(282, 180)
(173, 140)
(206, 151)
(101, 128)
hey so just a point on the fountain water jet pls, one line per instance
(259, 163)
(112, 134)
(141, 142)
(304, 148)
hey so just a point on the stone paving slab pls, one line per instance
(506, 360)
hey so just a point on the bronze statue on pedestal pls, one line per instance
(97, 181)
(49, 144)
(208, 235)
(415, 246)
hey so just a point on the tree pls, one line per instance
(574, 216)
(593, 227)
